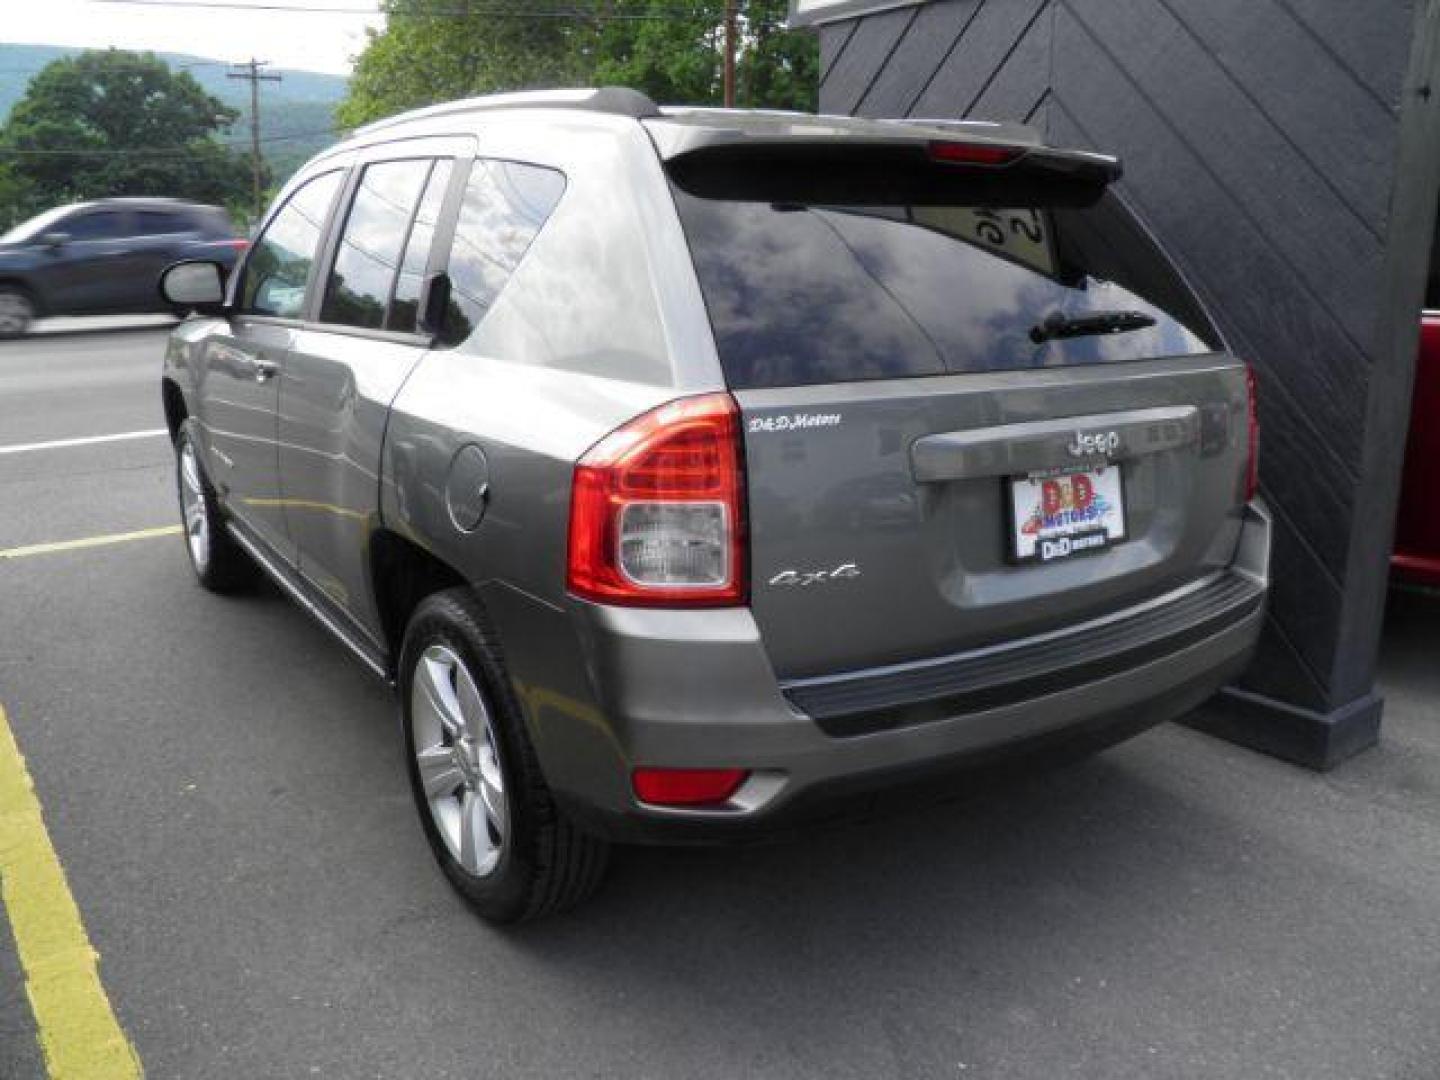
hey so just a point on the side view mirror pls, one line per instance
(55, 240)
(195, 285)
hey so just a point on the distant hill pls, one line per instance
(296, 114)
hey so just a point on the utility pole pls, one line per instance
(250, 70)
(729, 54)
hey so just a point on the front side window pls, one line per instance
(373, 243)
(102, 225)
(279, 264)
(505, 205)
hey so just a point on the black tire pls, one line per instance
(545, 864)
(224, 566)
(17, 311)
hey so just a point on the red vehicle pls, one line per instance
(1417, 526)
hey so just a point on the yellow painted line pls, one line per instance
(78, 1031)
(87, 542)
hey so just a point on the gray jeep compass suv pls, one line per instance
(695, 473)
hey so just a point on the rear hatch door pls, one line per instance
(967, 418)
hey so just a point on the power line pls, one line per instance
(117, 62)
(168, 151)
(492, 11)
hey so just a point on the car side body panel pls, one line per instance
(579, 341)
(336, 389)
(601, 321)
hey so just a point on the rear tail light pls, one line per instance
(963, 153)
(686, 787)
(237, 244)
(1252, 463)
(657, 510)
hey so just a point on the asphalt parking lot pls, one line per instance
(225, 790)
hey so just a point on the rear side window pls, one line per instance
(505, 205)
(800, 294)
(373, 242)
(212, 221)
(279, 264)
(404, 308)
(159, 222)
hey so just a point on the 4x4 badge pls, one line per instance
(842, 572)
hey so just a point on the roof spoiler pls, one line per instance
(849, 160)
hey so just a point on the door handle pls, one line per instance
(265, 370)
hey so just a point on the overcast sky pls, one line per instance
(317, 41)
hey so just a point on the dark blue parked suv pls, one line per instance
(103, 257)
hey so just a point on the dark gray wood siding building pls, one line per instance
(1287, 151)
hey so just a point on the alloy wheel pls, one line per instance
(458, 760)
(16, 313)
(193, 507)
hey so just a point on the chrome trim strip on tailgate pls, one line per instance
(1015, 449)
(857, 703)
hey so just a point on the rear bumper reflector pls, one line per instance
(686, 787)
(858, 703)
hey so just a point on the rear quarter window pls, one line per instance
(160, 222)
(506, 203)
(802, 294)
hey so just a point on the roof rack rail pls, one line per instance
(615, 100)
(721, 112)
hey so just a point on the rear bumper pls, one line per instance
(695, 689)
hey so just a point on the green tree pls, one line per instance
(670, 51)
(674, 60)
(119, 123)
(778, 68)
(17, 201)
(421, 58)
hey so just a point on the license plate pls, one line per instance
(1058, 515)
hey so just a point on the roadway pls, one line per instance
(225, 790)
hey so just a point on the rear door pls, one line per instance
(964, 422)
(156, 238)
(350, 360)
(85, 274)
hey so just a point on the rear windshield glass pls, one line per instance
(801, 294)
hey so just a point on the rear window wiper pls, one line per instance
(1056, 325)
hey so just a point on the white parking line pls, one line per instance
(87, 440)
